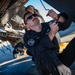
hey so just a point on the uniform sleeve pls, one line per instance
(47, 43)
(63, 26)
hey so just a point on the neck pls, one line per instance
(37, 28)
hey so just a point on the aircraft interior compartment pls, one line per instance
(16, 61)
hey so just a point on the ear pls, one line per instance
(27, 26)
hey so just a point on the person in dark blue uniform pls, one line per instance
(42, 44)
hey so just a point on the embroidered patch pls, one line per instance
(31, 42)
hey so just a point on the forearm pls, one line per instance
(51, 36)
(54, 29)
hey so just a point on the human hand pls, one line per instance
(52, 14)
(54, 28)
(63, 70)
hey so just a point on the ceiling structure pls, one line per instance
(9, 8)
(67, 6)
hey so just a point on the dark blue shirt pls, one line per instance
(37, 42)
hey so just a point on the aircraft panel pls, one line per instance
(67, 6)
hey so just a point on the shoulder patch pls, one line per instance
(31, 42)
